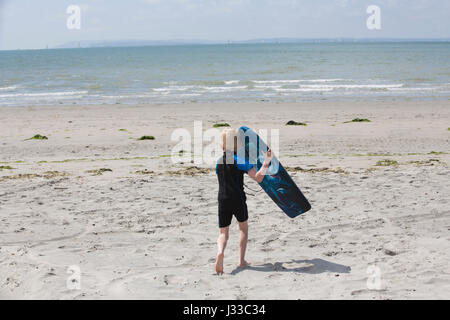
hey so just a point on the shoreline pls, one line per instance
(322, 100)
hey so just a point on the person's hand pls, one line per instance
(268, 157)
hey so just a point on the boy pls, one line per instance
(232, 201)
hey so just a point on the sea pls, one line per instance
(227, 73)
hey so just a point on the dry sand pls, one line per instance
(147, 229)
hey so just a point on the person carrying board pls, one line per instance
(230, 171)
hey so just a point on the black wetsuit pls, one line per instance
(231, 197)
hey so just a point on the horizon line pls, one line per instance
(92, 44)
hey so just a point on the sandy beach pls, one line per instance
(95, 199)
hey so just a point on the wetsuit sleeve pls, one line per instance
(242, 164)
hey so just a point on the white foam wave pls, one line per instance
(231, 82)
(415, 89)
(223, 88)
(8, 88)
(352, 86)
(276, 81)
(298, 80)
(302, 89)
(267, 87)
(43, 94)
(326, 80)
(189, 94)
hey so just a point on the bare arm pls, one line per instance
(258, 176)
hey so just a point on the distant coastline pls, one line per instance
(145, 43)
(85, 44)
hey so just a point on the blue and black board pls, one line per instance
(276, 183)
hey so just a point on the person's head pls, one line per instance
(229, 140)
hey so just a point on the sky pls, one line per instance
(32, 24)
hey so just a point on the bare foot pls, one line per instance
(219, 264)
(244, 264)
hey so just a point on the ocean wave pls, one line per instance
(202, 82)
(43, 94)
(303, 89)
(276, 81)
(326, 80)
(232, 81)
(325, 87)
(416, 89)
(299, 80)
(224, 88)
(244, 90)
(8, 88)
(171, 89)
(353, 86)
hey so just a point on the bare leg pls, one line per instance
(243, 237)
(221, 244)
